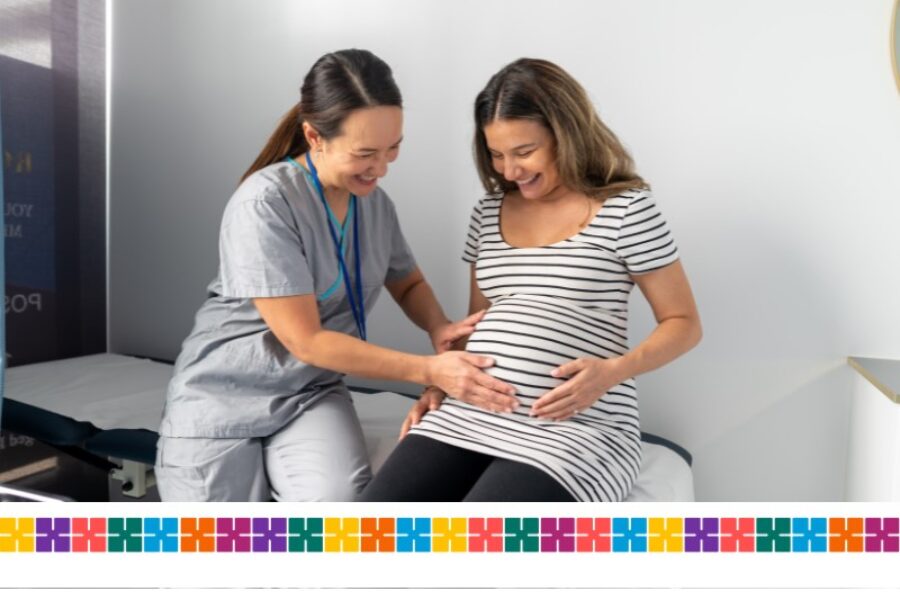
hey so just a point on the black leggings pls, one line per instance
(421, 469)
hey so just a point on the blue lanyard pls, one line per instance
(357, 300)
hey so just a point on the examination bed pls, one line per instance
(105, 409)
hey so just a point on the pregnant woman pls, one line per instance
(567, 230)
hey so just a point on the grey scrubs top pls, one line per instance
(233, 378)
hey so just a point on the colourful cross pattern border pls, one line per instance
(450, 534)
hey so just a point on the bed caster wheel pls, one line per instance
(135, 477)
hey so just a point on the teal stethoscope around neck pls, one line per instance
(354, 296)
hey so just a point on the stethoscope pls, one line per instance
(357, 300)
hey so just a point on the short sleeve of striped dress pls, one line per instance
(473, 235)
(645, 241)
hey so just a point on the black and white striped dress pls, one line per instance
(550, 305)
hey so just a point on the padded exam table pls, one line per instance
(105, 409)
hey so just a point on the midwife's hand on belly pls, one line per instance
(443, 337)
(588, 380)
(460, 375)
(430, 399)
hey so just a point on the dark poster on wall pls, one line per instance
(29, 212)
(53, 159)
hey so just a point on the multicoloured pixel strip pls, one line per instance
(453, 534)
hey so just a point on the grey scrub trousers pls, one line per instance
(244, 419)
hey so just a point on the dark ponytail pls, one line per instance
(337, 84)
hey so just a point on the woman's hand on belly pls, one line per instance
(444, 336)
(460, 375)
(588, 380)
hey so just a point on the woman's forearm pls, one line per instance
(346, 354)
(457, 373)
(422, 308)
(670, 339)
(295, 322)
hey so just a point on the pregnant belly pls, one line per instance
(528, 339)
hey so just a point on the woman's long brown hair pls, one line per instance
(589, 157)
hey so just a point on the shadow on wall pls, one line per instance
(794, 450)
(764, 402)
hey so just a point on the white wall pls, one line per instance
(770, 131)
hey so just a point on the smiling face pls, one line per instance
(355, 160)
(523, 151)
